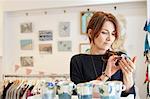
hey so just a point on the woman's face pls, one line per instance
(106, 36)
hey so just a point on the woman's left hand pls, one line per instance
(127, 66)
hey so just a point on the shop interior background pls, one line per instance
(46, 15)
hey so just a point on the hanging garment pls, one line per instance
(147, 42)
(6, 89)
(147, 27)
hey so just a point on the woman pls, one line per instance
(101, 63)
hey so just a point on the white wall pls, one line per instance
(1, 28)
(135, 14)
(14, 5)
(1, 38)
(135, 46)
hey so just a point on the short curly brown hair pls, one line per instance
(96, 22)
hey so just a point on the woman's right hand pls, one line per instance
(111, 67)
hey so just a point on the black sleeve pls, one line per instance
(131, 91)
(76, 75)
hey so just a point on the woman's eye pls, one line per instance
(104, 32)
(113, 33)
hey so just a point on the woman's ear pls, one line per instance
(89, 33)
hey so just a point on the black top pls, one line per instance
(82, 69)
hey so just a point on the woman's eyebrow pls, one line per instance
(104, 29)
(108, 30)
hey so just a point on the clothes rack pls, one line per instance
(66, 76)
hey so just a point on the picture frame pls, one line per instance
(45, 35)
(64, 29)
(26, 61)
(45, 48)
(84, 20)
(26, 44)
(64, 46)
(84, 47)
(26, 27)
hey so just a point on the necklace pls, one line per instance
(94, 67)
(104, 59)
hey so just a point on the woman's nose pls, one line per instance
(108, 38)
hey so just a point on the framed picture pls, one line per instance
(64, 46)
(118, 44)
(26, 27)
(45, 35)
(45, 48)
(85, 18)
(26, 44)
(84, 47)
(64, 29)
(26, 61)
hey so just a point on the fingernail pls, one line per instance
(125, 57)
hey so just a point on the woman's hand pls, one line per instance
(127, 66)
(111, 67)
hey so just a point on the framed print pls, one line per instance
(45, 48)
(64, 29)
(26, 44)
(84, 47)
(26, 27)
(85, 18)
(118, 44)
(26, 61)
(64, 46)
(45, 35)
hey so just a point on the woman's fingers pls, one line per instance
(131, 63)
(123, 67)
(111, 67)
(114, 58)
(134, 59)
(127, 65)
